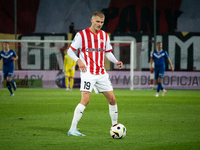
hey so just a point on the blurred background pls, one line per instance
(174, 22)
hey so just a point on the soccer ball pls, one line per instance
(118, 131)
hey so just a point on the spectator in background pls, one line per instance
(69, 70)
(71, 28)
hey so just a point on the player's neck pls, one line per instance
(93, 30)
(159, 50)
(6, 50)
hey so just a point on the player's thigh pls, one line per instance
(103, 83)
(5, 74)
(156, 72)
(67, 74)
(161, 73)
(70, 73)
(9, 78)
(87, 82)
(8, 73)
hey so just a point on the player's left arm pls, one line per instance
(170, 63)
(110, 55)
(112, 58)
(14, 58)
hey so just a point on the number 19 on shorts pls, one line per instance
(87, 85)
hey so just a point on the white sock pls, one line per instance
(113, 113)
(78, 112)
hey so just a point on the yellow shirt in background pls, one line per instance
(69, 66)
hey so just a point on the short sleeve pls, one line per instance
(166, 55)
(77, 42)
(14, 53)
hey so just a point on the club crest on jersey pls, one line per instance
(101, 41)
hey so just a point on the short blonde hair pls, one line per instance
(99, 14)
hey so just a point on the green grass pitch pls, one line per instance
(39, 119)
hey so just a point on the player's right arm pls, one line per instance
(74, 57)
(76, 44)
(151, 62)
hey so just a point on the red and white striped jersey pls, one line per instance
(92, 48)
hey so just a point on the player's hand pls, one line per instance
(172, 69)
(120, 64)
(150, 68)
(14, 58)
(82, 66)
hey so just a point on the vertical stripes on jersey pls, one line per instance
(93, 50)
(82, 54)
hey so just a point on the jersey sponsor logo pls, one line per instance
(95, 50)
(158, 56)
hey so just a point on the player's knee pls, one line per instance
(156, 81)
(85, 102)
(159, 80)
(85, 98)
(112, 100)
(8, 79)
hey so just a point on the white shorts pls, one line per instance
(100, 83)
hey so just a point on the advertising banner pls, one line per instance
(119, 79)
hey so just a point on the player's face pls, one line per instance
(159, 46)
(97, 23)
(6, 46)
